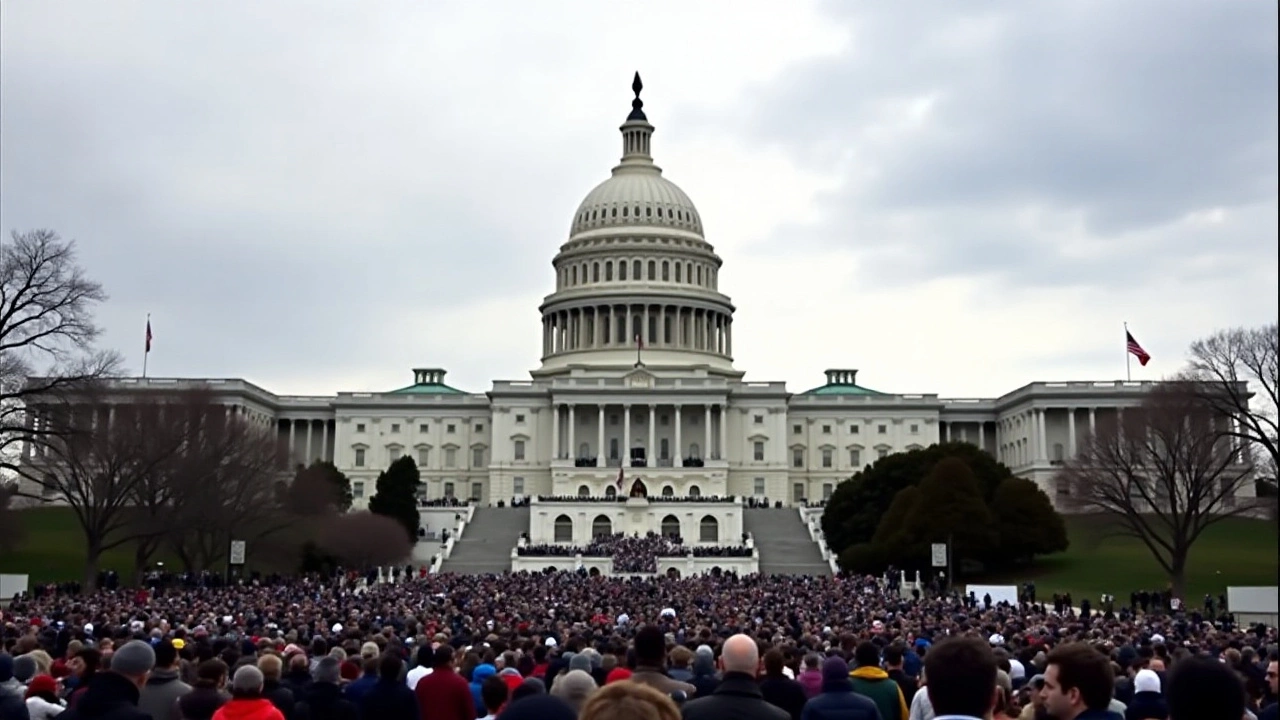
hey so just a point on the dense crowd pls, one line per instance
(622, 498)
(571, 645)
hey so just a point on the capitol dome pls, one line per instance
(637, 282)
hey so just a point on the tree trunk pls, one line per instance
(142, 553)
(92, 559)
(1178, 573)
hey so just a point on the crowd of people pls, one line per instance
(572, 645)
(618, 498)
(630, 553)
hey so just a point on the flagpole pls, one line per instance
(146, 353)
(1128, 371)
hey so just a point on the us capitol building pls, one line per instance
(638, 383)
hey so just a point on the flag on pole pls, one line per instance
(639, 342)
(1136, 350)
(148, 335)
(621, 470)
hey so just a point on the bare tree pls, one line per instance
(1165, 474)
(47, 335)
(1240, 376)
(95, 457)
(363, 540)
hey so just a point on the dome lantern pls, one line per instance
(636, 131)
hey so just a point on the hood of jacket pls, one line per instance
(867, 672)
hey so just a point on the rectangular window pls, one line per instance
(882, 453)
(827, 489)
(359, 457)
(359, 427)
(424, 428)
(882, 429)
(477, 457)
(915, 429)
(450, 457)
(518, 450)
(797, 429)
(855, 458)
(797, 458)
(448, 489)
(395, 427)
(757, 451)
(826, 458)
(854, 429)
(759, 419)
(479, 427)
(357, 490)
(424, 456)
(826, 429)
(520, 419)
(475, 491)
(517, 486)
(393, 454)
(758, 486)
(451, 429)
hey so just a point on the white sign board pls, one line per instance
(237, 553)
(939, 555)
(11, 585)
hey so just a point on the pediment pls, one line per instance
(640, 379)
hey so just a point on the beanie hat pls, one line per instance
(42, 684)
(248, 679)
(580, 662)
(133, 659)
(1146, 681)
(327, 670)
(539, 707)
(834, 669)
(25, 668)
(616, 674)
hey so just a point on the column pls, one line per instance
(724, 431)
(1093, 422)
(310, 458)
(1042, 437)
(324, 440)
(626, 435)
(293, 446)
(678, 455)
(573, 446)
(1071, 433)
(706, 448)
(651, 453)
(600, 439)
(555, 431)
(728, 338)
(982, 435)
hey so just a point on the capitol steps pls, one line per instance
(487, 541)
(783, 542)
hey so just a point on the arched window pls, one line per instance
(668, 491)
(653, 270)
(666, 271)
(602, 526)
(564, 529)
(709, 529)
(595, 272)
(584, 491)
(695, 491)
(611, 492)
(671, 526)
(622, 270)
(635, 270)
(608, 270)
(584, 450)
(573, 273)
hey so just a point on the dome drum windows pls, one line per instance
(656, 325)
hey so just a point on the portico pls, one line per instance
(637, 434)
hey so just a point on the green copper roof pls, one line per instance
(842, 390)
(427, 389)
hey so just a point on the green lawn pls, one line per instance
(1236, 551)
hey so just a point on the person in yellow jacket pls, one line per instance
(873, 683)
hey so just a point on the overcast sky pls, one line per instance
(954, 197)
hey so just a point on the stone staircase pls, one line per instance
(783, 542)
(487, 541)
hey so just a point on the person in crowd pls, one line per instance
(738, 695)
(651, 653)
(444, 694)
(1148, 701)
(810, 678)
(962, 679)
(324, 699)
(113, 694)
(1271, 710)
(631, 701)
(273, 687)
(895, 657)
(496, 693)
(836, 699)
(422, 666)
(368, 661)
(207, 694)
(478, 675)
(1033, 708)
(1201, 688)
(1078, 683)
(575, 688)
(875, 684)
(164, 685)
(389, 699)
(778, 689)
(42, 699)
(12, 702)
(247, 702)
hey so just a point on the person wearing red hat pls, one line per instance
(42, 698)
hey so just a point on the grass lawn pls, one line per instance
(52, 549)
(1236, 551)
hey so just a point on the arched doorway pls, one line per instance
(668, 491)
(564, 529)
(671, 526)
(673, 573)
(695, 491)
(602, 526)
(639, 489)
(594, 571)
(708, 529)
(584, 491)
(611, 492)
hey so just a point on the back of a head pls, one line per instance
(1081, 667)
(425, 657)
(773, 662)
(328, 670)
(134, 660)
(1202, 688)
(651, 646)
(867, 655)
(494, 693)
(962, 677)
(443, 656)
(247, 682)
(166, 654)
(389, 666)
(271, 666)
(211, 673)
(630, 701)
(741, 654)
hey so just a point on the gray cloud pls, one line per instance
(1121, 117)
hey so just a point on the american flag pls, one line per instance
(1136, 350)
(639, 342)
(620, 477)
(148, 335)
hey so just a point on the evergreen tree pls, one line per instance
(396, 495)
